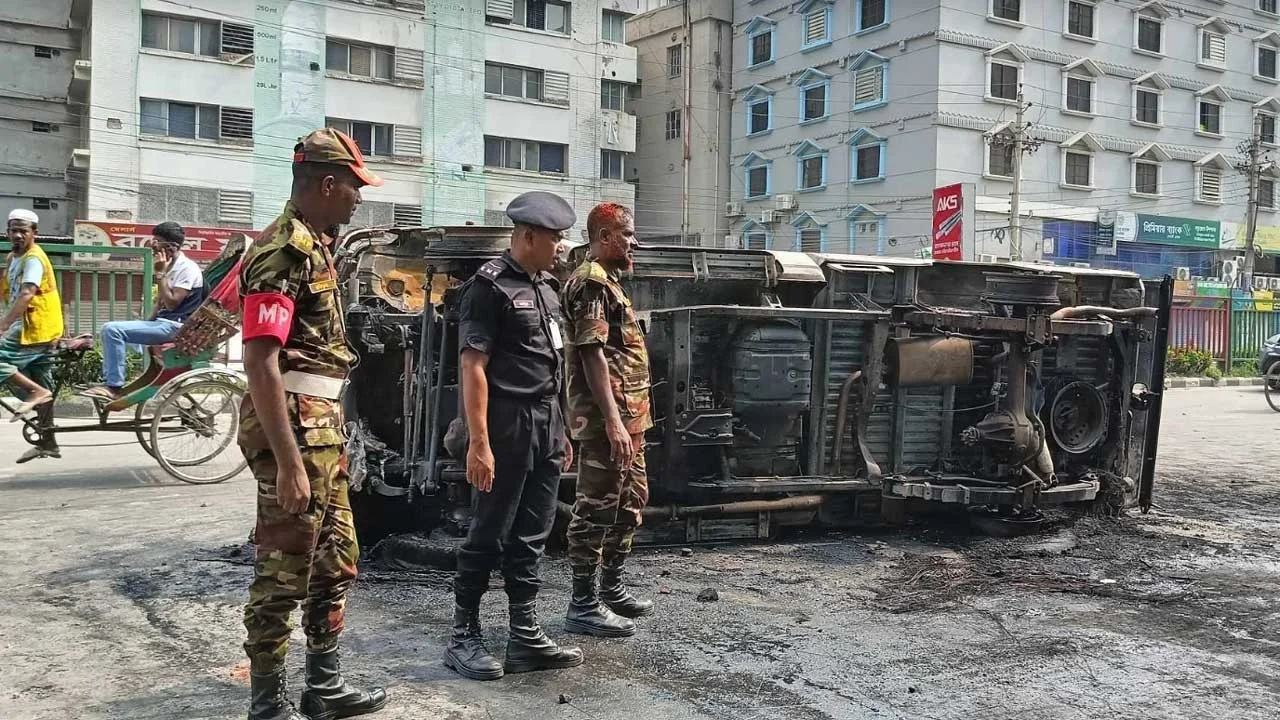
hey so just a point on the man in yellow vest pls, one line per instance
(34, 318)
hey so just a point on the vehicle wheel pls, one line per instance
(194, 430)
(1271, 387)
(142, 416)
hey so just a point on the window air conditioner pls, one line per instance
(732, 209)
(785, 202)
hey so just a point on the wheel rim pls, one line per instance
(194, 430)
(1271, 387)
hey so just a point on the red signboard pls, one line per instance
(203, 244)
(948, 222)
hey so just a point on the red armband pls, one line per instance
(267, 315)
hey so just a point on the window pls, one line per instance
(756, 171)
(179, 120)
(1077, 169)
(761, 48)
(673, 124)
(612, 93)
(1010, 10)
(871, 14)
(1146, 106)
(1213, 48)
(610, 164)
(1209, 185)
(41, 127)
(183, 35)
(1268, 6)
(1209, 117)
(1150, 31)
(1080, 16)
(809, 239)
(869, 86)
(525, 155)
(1000, 155)
(759, 115)
(1267, 128)
(1079, 94)
(1267, 62)
(612, 25)
(1004, 81)
(513, 81)
(1266, 194)
(548, 15)
(865, 231)
(754, 237)
(371, 138)
(43, 204)
(369, 61)
(814, 102)
(42, 51)
(1146, 178)
(675, 57)
(817, 27)
(813, 172)
(866, 161)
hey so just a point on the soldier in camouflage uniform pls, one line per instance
(296, 359)
(608, 415)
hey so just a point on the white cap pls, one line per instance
(25, 215)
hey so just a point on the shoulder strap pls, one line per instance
(491, 270)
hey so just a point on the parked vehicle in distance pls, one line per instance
(1269, 354)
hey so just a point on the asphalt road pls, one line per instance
(124, 592)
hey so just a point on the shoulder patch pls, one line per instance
(592, 271)
(491, 270)
(299, 237)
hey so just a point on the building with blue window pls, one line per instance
(846, 116)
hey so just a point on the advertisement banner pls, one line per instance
(203, 244)
(1266, 238)
(948, 222)
(1186, 232)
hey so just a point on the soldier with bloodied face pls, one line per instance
(608, 415)
(296, 359)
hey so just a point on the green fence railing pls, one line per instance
(99, 284)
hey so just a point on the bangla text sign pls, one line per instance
(1161, 230)
(948, 222)
(203, 244)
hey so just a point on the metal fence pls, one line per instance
(1228, 333)
(101, 284)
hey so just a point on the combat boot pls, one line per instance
(587, 616)
(529, 648)
(466, 654)
(615, 595)
(269, 700)
(329, 697)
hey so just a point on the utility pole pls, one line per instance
(1022, 144)
(687, 130)
(1252, 150)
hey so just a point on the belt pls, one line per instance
(305, 383)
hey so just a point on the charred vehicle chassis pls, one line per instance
(789, 388)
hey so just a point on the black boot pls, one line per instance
(529, 648)
(614, 595)
(466, 654)
(329, 697)
(269, 699)
(587, 615)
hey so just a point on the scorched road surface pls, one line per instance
(124, 592)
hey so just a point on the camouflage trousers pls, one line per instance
(308, 559)
(609, 503)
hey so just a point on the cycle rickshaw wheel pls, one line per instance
(1271, 387)
(193, 433)
(144, 422)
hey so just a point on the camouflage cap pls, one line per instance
(327, 145)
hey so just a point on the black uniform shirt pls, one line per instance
(516, 321)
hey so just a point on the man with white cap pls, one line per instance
(34, 317)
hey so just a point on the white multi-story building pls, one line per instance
(670, 203)
(193, 107)
(847, 115)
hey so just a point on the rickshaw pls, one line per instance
(181, 397)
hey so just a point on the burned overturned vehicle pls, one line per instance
(790, 389)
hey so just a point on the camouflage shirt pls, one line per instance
(597, 311)
(290, 258)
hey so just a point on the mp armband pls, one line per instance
(268, 315)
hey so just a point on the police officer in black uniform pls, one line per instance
(512, 375)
